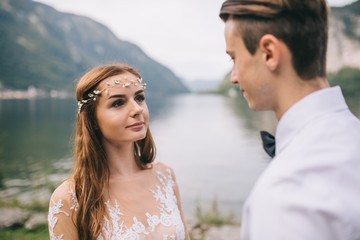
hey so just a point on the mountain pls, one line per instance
(344, 37)
(343, 54)
(47, 49)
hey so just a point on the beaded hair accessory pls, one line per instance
(120, 82)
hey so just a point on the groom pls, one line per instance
(311, 189)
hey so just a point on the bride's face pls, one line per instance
(121, 112)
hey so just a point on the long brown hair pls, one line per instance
(91, 173)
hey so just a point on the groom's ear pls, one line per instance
(270, 48)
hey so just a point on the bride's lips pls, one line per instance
(136, 125)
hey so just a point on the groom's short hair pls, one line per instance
(301, 24)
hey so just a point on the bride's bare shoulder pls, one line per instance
(160, 166)
(65, 191)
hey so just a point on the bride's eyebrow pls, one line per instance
(123, 96)
(117, 96)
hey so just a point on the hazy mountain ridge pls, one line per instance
(48, 49)
(344, 37)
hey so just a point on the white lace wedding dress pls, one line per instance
(146, 206)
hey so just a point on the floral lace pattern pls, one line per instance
(75, 206)
(115, 229)
(52, 220)
(54, 210)
(169, 215)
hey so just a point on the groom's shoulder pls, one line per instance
(333, 126)
(343, 126)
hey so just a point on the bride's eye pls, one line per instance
(118, 103)
(140, 98)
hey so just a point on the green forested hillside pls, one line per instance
(42, 47)
(348, 79)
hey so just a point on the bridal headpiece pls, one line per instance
(120, 82)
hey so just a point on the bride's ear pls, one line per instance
(270, 48)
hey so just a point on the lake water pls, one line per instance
(211, 141)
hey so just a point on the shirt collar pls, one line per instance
(311, 106)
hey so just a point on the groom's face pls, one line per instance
(248, 70)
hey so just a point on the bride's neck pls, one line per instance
(121, 160)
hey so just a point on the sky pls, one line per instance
(186, 36)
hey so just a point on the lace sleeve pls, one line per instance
(178, 199)
(62, 208)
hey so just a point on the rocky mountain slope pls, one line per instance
(344, 38)
(47, 49)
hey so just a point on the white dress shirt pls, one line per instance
(311, 189)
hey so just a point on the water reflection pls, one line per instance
(34, 134)
(159, 106)
(252, 120)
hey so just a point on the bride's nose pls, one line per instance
(135, 108)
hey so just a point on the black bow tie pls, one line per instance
(268, 143)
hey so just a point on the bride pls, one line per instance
(116, 191)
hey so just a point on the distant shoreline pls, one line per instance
(34, 93)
